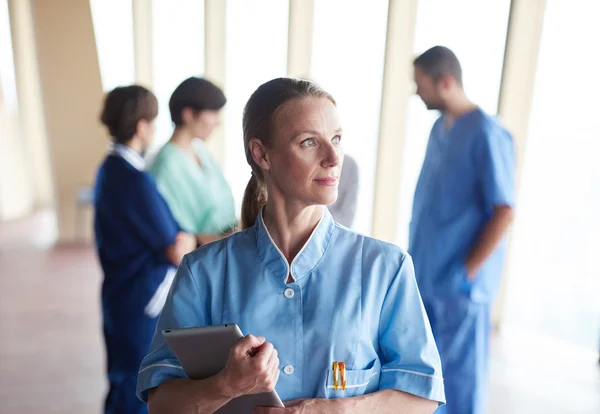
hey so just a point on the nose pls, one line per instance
(333, 156)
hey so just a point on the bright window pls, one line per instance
(257, 33)
(554, 277)
(348, 58)
(8, 86)
(113, 28)
(178, 53)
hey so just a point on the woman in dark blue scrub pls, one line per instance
(139, 243)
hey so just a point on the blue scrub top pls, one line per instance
(468, 171)
(353, 299)
(133, 227)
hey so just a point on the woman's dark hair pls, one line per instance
(124, 107)
(258, 122)
(197, 94)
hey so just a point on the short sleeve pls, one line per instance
(182, 309)
(410, 361)
(496, 168)
(150, 217)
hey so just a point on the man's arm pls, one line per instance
(382, 402)
(496, 167)
(488, 240)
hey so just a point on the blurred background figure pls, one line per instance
(344, 209)
(59, 58)
(187, 175)
(462, 210)
(138, 241)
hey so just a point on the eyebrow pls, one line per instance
(312, 132)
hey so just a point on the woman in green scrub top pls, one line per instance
(188, 177)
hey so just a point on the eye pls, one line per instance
(336, 140)
(310, 142)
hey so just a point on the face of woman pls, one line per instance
(205, 122)
(201, 124)
(305, 158)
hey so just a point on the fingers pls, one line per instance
(274, 379)
(273, 367)
(273, 359)
(263, 354)
(248, 343)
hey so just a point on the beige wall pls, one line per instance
(72, 96)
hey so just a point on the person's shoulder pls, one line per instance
(238, 241)
(488, 124)
(437, 129)
(162, 160)
(438, 123)
(372, 247)
(121, 182)
(120, 170)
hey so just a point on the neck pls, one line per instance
(182, 137)
(136, 144)
(458, 107)
(290, 225)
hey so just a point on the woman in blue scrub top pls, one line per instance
(138, 241)
(316, 291)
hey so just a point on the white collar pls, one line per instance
(129, 155)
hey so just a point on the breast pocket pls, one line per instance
(358, 382)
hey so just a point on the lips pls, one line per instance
(329, 181)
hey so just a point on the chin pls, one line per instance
(327, 198)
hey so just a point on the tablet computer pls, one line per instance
(203, 352)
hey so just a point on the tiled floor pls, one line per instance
(51, 351)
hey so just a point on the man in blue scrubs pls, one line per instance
(138, 241)
(462, 208)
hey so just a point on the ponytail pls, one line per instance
(255, 197)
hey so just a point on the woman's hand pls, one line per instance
(252, 368)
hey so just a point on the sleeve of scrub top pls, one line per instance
(182, 309)
(496, 158)
(151, 218)
(410, 361)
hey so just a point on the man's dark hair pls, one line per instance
(124, 107)
(439, 61)
(197, 94)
